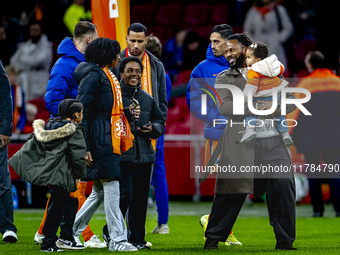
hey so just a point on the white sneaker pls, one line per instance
(38, 238)
(122, 246)
(287, 139)
(77, 240)
(68, 245)
(162, 229)
(94, 242)
(9, 237)
(248, 135)
(148, 244)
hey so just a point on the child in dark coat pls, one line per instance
(55, 155)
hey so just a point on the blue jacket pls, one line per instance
(61, 84)
(206, 73)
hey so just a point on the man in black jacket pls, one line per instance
(136, 163)
(155, 85)
(7, 228)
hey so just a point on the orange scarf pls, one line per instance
(120, 128)
(146, 81)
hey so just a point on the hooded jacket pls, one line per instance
(142, 150)
(53, 155)
(206, 73)
(61, 85)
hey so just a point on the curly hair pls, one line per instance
(243, 38)
(260, 50)
(102, 51)
(124, 62)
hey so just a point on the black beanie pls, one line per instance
(64, 107)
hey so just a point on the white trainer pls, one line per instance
(162, 229)
(248, 135)
(9, 237)
(122, 246)
(38, 238)
(68, 245)
(287, 139)
(94, 242)
(77, 240)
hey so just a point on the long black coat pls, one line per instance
(5, 104)
(95, 93)
(142, 150)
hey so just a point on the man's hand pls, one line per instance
(136, 111)
(146, 129)
(5, 141)
(89, 160)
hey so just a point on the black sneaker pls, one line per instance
(141, 246)
(69, 245)
(52, 249)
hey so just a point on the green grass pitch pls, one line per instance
(314, 235)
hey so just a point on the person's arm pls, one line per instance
(157, 120)
(6, 116)
(87, 94)
(163, 104)
(195, 90)
(287, 26)
(58, 87)
(77, 148)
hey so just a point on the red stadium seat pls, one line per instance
(168, 14)
(303, 47)
(142, 13)
(183, 77)
(219, 13)
(204, 31)
(196, 14)
(162, 32)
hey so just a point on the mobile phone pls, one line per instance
(145, 126)
(135, 103)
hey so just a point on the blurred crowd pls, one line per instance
(31, 31)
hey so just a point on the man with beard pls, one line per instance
(266, 149)
(152, 81)
(33, 60)
(204, 74)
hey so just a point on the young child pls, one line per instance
(54, 155)
(261, 88)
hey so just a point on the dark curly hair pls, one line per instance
(124, 62)
(102, 51)
(243, 38)
(260, 50)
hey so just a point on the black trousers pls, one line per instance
(331, 156)
(60, 207)
(280, 194)
(134, 192)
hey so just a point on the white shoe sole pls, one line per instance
(67, 247)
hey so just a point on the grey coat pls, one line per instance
(234, 153)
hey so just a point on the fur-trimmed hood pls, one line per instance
(43, 135)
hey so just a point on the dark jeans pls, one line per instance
(6, 197)
(61, 206)
(134, 192)
(280, 190)
(330, 157)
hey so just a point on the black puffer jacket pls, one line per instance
(142, 150)
(95, 93)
